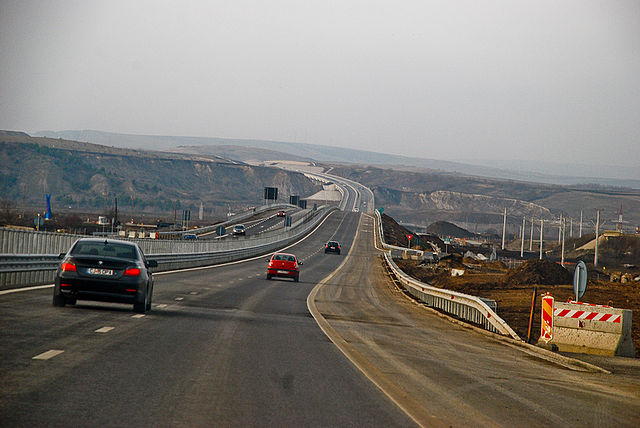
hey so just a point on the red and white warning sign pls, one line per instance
(588, 315)
(546, 325)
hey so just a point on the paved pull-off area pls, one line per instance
(445, 374)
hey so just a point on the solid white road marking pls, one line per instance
(104, 329)
(137, 316)
(47, 355)
(18, 290)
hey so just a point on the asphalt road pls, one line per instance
(444, 374)
(222, 346)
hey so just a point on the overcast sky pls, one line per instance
(554, 80)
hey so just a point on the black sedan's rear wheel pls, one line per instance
(140, 307)
(148, 306)
(58, 299)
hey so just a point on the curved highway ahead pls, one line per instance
(224, 346)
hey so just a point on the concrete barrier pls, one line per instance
(592, 329)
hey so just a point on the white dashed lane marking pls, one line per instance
(179, 298)
(138, 316)
(104, 329)
(47, 355)
(162, 305)
(193, 293)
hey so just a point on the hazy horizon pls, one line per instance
(496, 80)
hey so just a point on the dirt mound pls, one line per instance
(394, 234)
(496, 265)
(444, 228)
(539, 272)
(451, 263)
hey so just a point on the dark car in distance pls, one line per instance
(332, 247)
(239, 229)
(105, 270)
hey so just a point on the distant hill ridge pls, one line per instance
(322, 153)
(90, 176)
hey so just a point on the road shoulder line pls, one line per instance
(409, 406)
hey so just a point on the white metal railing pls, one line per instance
(463, 306)
(393, 247)
(38, 268)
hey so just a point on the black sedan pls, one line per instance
(104, 270)
(332, 247)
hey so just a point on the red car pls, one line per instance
(283, 265)
(281, 213)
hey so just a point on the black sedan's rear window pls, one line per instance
(105, 250)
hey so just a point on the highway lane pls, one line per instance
(445, 374)
(222, 346)
(260, 223)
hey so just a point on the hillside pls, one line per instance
(240, 153)
(90, 176)
(554, 173)
(477, 203)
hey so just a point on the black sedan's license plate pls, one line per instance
(98, 271)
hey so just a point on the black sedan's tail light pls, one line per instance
(132, 272)
(68, 267)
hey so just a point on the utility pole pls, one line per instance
(563, 228)
(531, 240)
(504, 226)
(24, 197)
(571, 227)
(595, 254)
(560, 229)
(522, 243)
(541, 227)
(580, 224)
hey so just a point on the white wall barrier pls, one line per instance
(592, 329)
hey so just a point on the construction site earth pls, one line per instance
(511, 280)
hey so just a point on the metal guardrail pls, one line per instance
(32, 269)
(463, 306)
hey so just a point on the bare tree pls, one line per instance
(8, 212)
